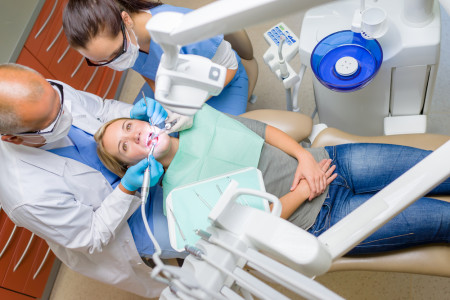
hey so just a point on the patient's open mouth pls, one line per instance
(149, 139)
(152, 138)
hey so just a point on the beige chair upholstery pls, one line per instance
(427, 260)
(240, 42)
(298, 126)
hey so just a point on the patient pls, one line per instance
(217, 144)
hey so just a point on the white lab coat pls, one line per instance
(73, 207)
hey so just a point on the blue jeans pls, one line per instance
(363, 170)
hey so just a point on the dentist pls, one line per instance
(53, 184)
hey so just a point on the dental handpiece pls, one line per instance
(146, 182)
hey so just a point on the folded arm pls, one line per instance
(307, 167)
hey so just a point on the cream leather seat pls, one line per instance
(427, 260)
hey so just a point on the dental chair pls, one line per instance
(427, 260)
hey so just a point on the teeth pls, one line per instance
(148, 139)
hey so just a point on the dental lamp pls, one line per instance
(185, 82)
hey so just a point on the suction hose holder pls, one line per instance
(283, 47)
(283, 67)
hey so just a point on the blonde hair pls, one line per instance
(113, 164)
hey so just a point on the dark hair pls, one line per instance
(133, 6)
(84, 19)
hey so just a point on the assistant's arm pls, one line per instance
(103, 110)
(226, 57)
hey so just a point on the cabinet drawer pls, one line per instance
(21, 261)
(70, 67)
(55, 37)
(40, 270)
(9, 234)
(43, 24)
(10, 295)
(109, 85)
(26, 262)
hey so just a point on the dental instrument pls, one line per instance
(146, 182)
(165, 126)
(218, 188)
(178, 225)
(203, 200)
(145, 100)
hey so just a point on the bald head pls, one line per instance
(23, 99)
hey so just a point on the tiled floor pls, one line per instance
(351, 285)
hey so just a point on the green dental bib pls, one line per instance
(215, 144)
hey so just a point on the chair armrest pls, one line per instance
(297, 125)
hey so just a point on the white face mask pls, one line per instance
(127, 59)
(61, 129)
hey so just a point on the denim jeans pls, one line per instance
(363, 170)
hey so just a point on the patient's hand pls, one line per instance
(325, 167)
(313, 172)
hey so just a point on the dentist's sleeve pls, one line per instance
(72, 224)
(103, 110)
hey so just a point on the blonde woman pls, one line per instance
(358, 172)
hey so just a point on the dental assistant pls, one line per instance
(53, 184)
(112, 33)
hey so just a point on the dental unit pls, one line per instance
(264, 242)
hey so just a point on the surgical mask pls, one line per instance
(127, 59)
(61, 128)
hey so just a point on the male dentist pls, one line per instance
(52, 182)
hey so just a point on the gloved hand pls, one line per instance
(156, 171)
(134, 177)
(179, 122)
(153, 111)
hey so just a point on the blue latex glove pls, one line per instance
(153, 111)
(156, 171)
(134, 177)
